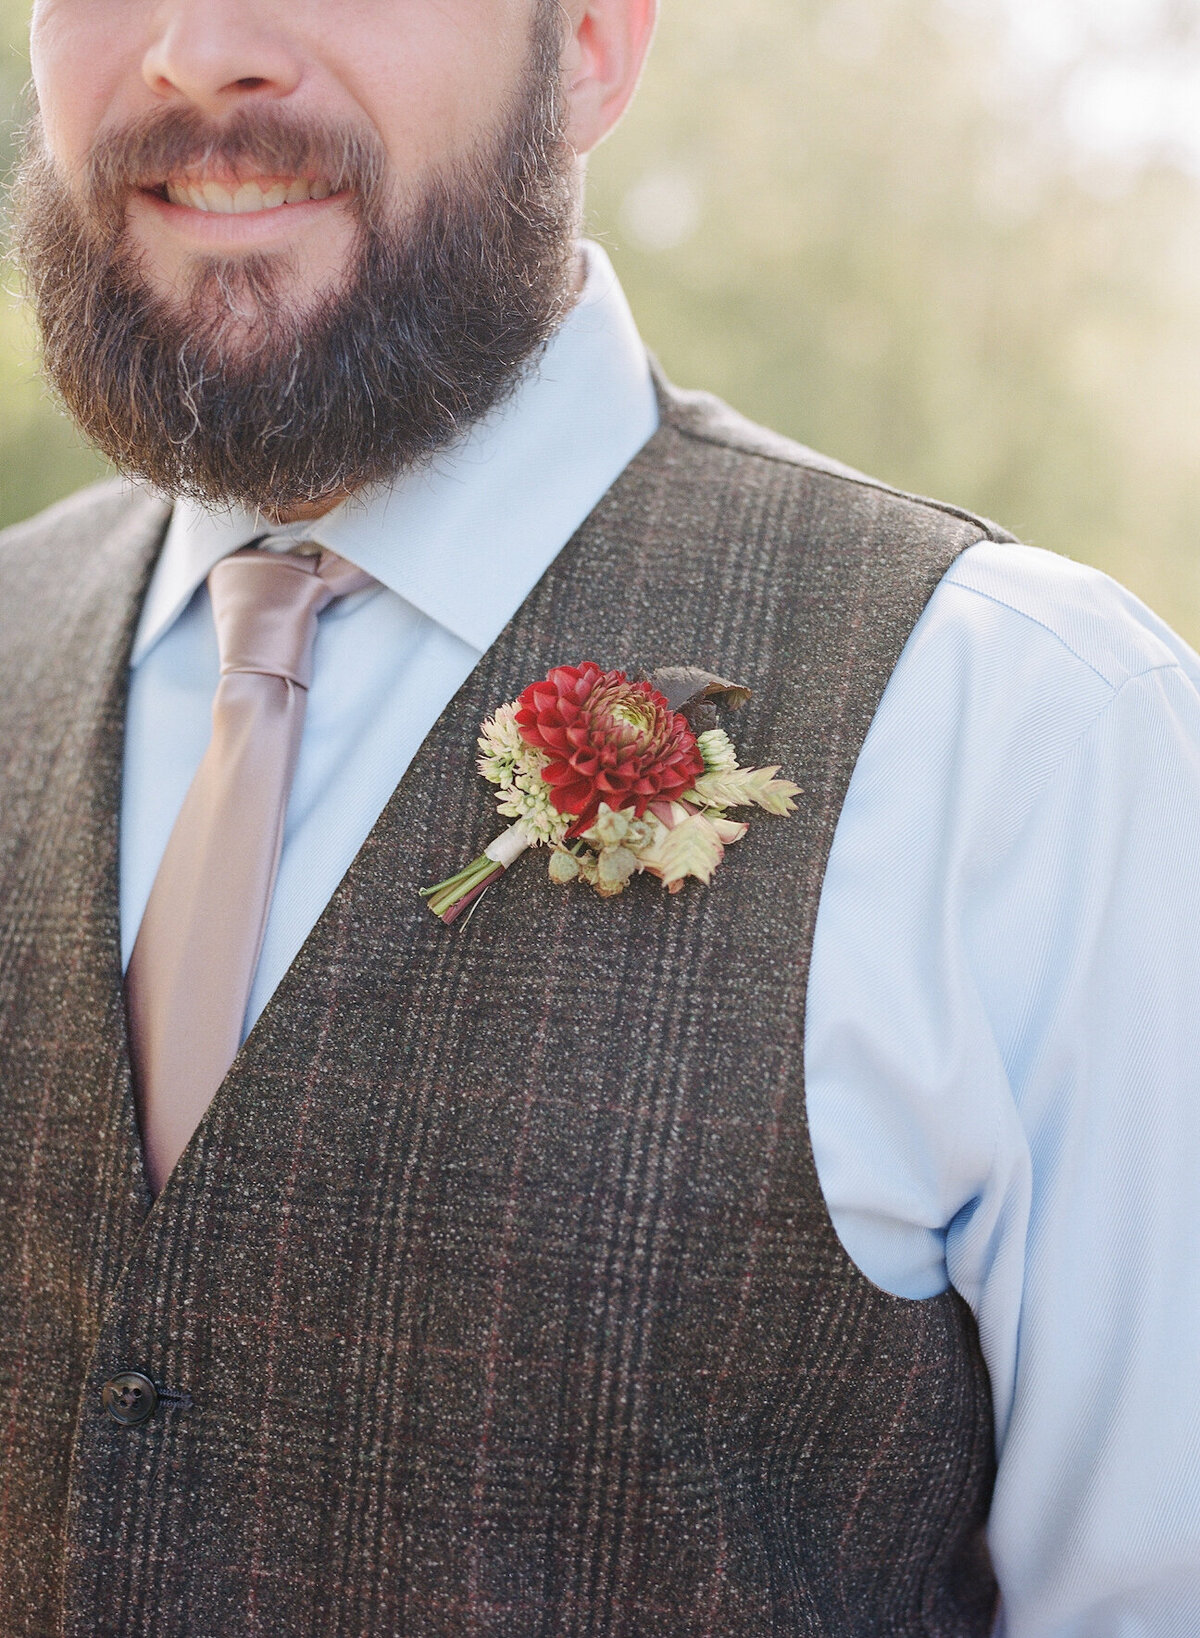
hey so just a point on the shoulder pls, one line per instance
(80, 561)
(1063, 614)
(990, 644)
(1020, 660)
(96, 531)
(733, 446)
(86, 516)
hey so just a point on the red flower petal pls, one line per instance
(606, 739)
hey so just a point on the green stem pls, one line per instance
(447, 894)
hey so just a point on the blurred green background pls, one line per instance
(954, 242)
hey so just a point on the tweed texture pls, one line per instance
(498, 1272)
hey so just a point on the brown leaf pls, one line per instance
(687, 686)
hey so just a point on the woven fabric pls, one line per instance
(498, 1272)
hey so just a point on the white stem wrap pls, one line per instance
(508, 848)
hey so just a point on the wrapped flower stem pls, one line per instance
(457, 893)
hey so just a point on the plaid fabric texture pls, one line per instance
(498, 1274)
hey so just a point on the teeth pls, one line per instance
(227, 200)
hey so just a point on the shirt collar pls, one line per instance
(466, 538)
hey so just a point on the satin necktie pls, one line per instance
(189, 977)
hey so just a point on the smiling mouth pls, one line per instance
(241, 198)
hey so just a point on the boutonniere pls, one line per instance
(615, 775)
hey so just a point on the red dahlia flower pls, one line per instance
(608, 740)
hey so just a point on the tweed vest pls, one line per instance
(496, 1293)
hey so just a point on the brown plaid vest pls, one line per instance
(496, 1293)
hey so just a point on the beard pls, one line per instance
(229, 395)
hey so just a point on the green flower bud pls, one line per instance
(564, 867)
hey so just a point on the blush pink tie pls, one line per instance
(189, 977)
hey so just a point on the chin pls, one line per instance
(239, 306)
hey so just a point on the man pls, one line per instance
(503, 1279)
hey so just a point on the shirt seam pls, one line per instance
(1110, 682)
(1116, 693)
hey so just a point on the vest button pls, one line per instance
(129, 1398)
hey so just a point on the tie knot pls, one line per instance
(265, 607)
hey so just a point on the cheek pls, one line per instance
(81, 56)
(435, 95)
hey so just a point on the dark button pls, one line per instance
(130, 1398)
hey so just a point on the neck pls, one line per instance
(309, 512)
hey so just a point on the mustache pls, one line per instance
(228, 391)
(264, 140)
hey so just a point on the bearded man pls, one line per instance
(641, 1264)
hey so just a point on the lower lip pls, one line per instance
(245, 229)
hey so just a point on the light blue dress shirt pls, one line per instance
(1003, 1037)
